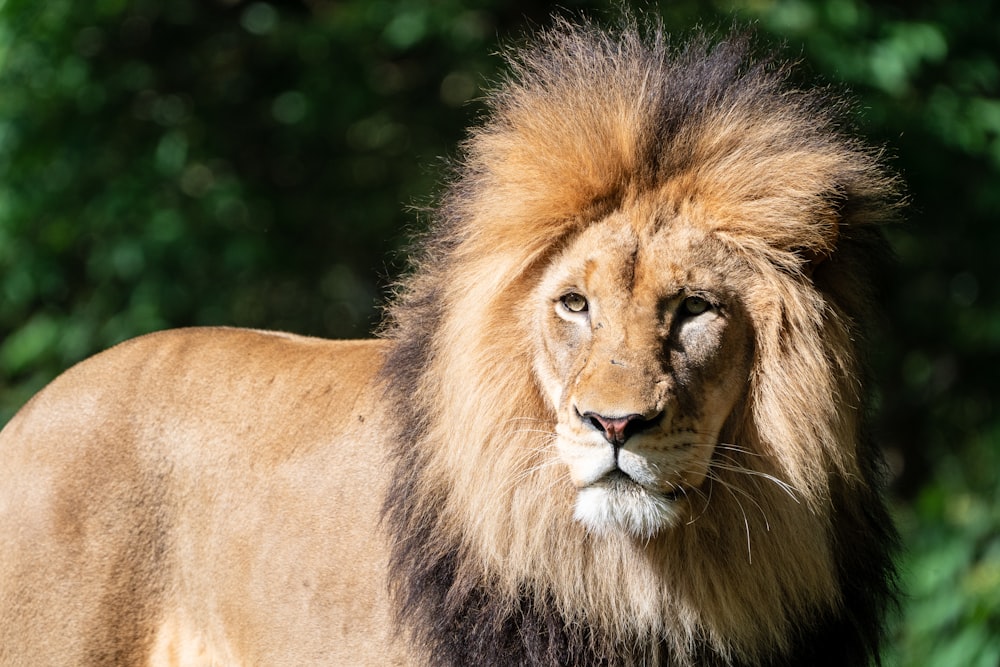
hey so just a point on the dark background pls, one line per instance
(184, 162)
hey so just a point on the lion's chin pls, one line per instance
(616, 504)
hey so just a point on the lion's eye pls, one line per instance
(695, 305)
(574, 303)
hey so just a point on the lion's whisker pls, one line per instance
(528, 419)
(551, 434)
(729, 447)
(746, 521)
(790, 490)
(707, 497)
(733, 490)
(725, 446)
(525, 473)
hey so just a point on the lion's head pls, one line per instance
(643, 350)
(627, 370)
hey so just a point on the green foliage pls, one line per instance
(183, 163)
(952, 576)
(251, 163)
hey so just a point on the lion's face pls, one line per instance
(646, 352)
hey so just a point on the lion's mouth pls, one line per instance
(617, 502)
(617, 480)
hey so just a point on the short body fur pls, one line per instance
(615, 417)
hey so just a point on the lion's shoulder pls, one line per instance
(240, 379)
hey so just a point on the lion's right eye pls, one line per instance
(574, 303)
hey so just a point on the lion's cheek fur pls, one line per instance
(788, 412)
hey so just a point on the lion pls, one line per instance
(616, 414)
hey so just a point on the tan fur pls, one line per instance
(198, 495)
(232, 497)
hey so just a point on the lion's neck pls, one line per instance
(495, 569)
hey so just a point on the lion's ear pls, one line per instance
(829, 216)
(813, 257)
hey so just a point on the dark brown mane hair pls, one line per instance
(585, 118)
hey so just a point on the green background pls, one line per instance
(186, 162)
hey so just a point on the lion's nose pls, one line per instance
(617, 430)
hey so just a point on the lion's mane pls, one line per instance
(487, 565)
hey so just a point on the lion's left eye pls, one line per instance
(695, 305)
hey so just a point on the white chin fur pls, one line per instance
(631, 510)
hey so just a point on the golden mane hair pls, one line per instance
(488, 566)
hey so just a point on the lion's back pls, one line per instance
(153, 492)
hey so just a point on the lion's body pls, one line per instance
(172, 501)
(615, 417)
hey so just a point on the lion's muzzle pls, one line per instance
(617, 430)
